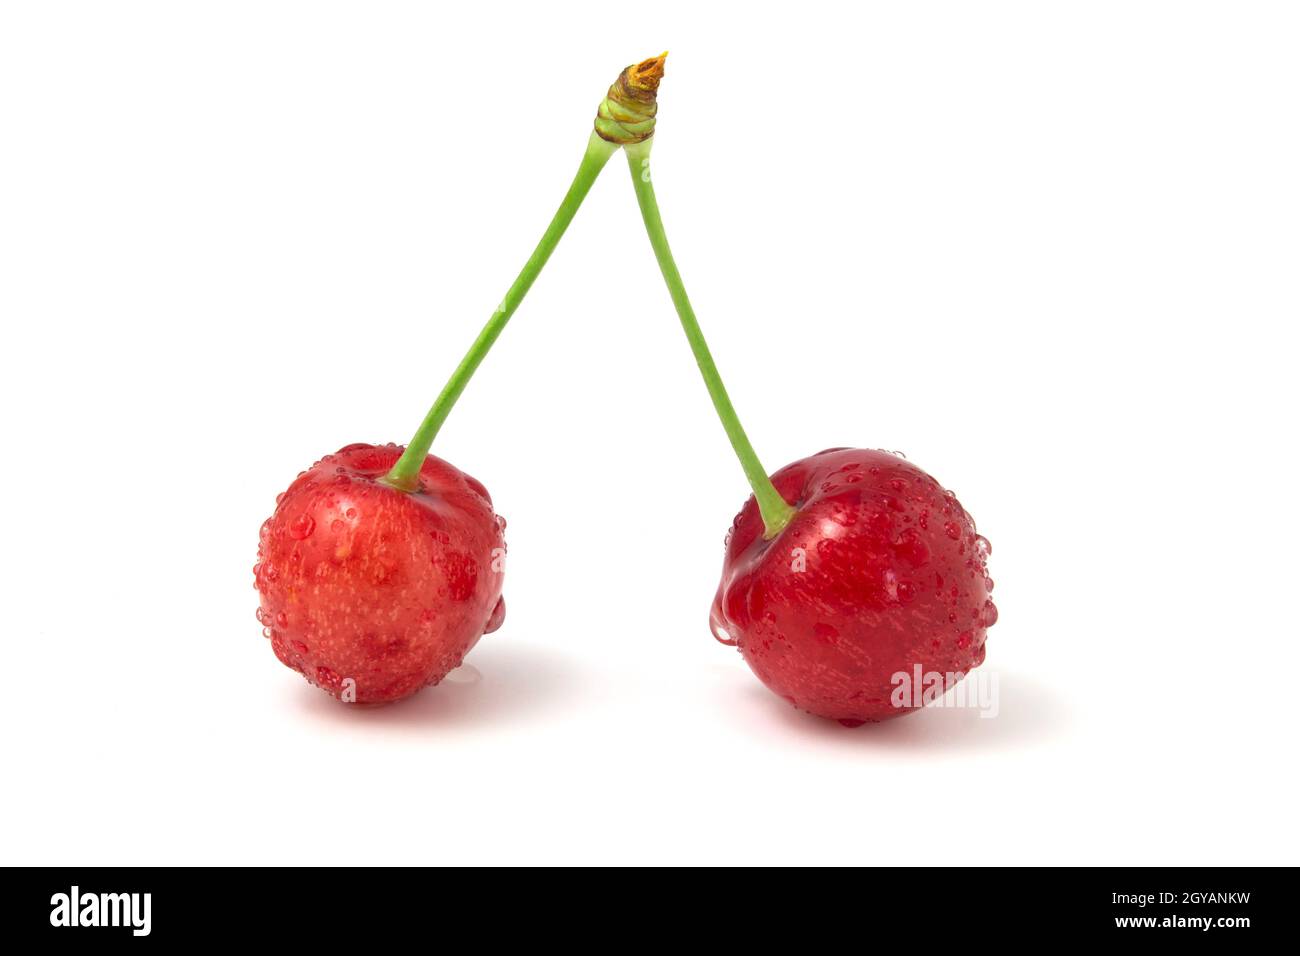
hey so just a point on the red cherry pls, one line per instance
(372, 593)
(880, 570)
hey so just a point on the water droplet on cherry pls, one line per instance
(989, 616)
(301, 527)
(719, 632)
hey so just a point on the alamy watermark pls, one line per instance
(920, 688)
(75, 908)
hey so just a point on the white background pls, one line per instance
(1048, 250)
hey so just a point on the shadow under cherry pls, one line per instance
(498, 684)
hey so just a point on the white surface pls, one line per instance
(1048, 250)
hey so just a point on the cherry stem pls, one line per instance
(775, 510)
(405, 474)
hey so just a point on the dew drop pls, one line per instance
(843, 515)
(952, 530)
(982, 545)
(989, 616)
(890, 582)
(719, 632)
(301, 527)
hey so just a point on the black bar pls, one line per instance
(1166, 905)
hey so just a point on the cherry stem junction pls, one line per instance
(775, 510)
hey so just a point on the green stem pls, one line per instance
(405, 475)
(775, 510)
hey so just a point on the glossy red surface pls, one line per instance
(363, 583)
(881, 570)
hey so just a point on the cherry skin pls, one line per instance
(373, 593)
(880, 570)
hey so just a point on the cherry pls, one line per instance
(381, 566)
(844, 569)
(879, 570)
(370, 592)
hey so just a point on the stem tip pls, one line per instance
(647, 74)
(627, 114)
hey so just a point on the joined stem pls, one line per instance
(775, 510)
(405, 474)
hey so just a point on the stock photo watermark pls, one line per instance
(125, 910)
(976, 690)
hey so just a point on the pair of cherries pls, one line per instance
(382, 566)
